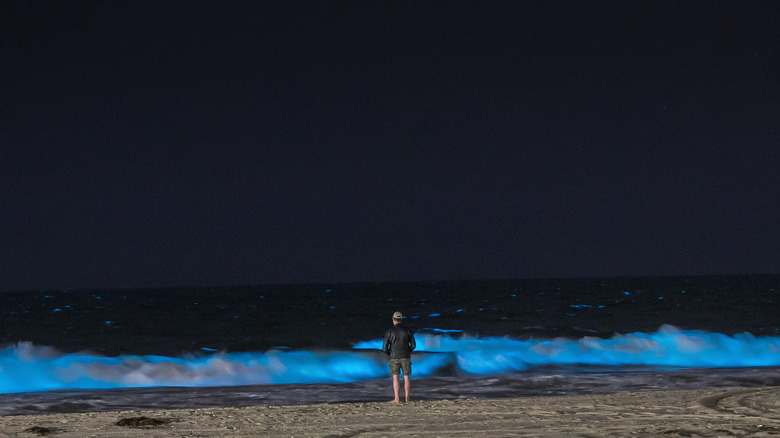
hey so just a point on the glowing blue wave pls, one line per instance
(667, 347)
(27, 368)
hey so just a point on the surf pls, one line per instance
(25, 367)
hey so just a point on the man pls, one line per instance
(399, 343)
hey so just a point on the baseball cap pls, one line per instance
(398, 315)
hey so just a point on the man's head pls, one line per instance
(397, 317)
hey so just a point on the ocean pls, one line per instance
(97, 350)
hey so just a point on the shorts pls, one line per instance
(398, 365)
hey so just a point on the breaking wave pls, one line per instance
(25, 367)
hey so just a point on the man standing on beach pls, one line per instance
(399, 343)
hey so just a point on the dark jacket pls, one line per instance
(399, 342)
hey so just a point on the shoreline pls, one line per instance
(716, 412)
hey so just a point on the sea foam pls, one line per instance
(25, 367)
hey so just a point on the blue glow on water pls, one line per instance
(438, 330)
(26, 368)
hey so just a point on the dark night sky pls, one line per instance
(148, 144)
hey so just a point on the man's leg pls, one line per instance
(397, 388)
(407, 384)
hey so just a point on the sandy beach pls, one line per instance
(719, 412)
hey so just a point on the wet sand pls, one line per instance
(742, 412)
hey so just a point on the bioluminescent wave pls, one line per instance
(668, 346)
(28, 368)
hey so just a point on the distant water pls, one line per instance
(74, 351)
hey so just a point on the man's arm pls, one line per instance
(412, 343)
(386, 343)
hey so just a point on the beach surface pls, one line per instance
(722, 412)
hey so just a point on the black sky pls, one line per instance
(190, 143)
